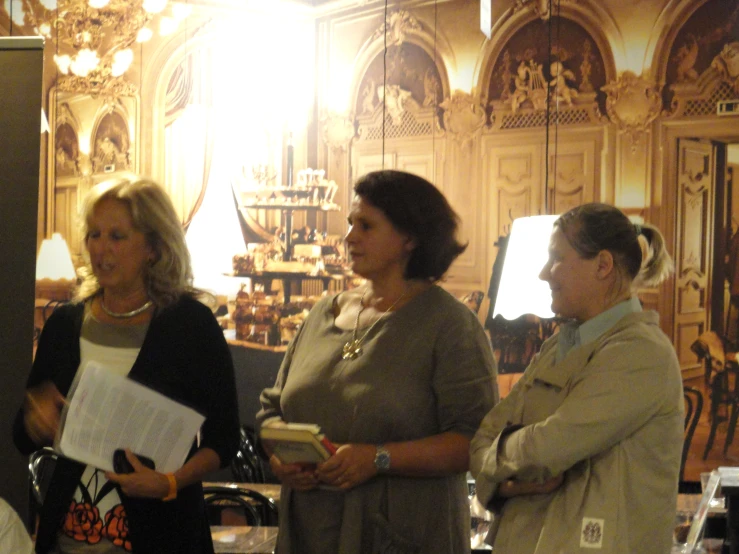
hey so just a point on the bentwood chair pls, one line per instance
(248, 466)
(693, 409)
(721, 374)
(40, 467)
(239, 506)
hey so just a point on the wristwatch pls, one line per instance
(382, 459)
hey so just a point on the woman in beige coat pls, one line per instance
(584, 454)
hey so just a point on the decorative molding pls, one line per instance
(398, 24)
(463, 117)
(101, 84)
(338, 131)
(633, 103)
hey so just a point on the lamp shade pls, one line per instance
(521, 291)
(55, 275)
(54, 260)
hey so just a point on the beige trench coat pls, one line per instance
(610, 416)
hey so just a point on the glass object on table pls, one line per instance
(480, 519)
(718, 500)
(683, 521)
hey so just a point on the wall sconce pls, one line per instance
(55, 274)
(521, 291)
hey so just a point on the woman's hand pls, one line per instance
(42, 410)
(295, 476)
(143, 482)
(352, 465)
(511, 488)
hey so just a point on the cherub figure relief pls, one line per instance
(521, 82)
(368, 97)
(727, 64)
(395, 100)
(559, 79)
(685, 58)
(431, 87)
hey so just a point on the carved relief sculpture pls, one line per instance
(398, 24)
(559, 79)
(431, 87)
(727, 64)
(66, 151)
(368, 97)
(338, 131)
(586, 67)
(685, 59)
(633, 103)
(463, 117)
(395, 99)
(529, 83)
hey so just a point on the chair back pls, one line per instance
(247, 466)
(40, 468)
(693, 409)
(233, 502)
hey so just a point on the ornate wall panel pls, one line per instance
(693, 259)
(571, 176)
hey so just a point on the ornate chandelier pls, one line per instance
(94, 38)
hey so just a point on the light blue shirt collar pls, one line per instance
(573, 334)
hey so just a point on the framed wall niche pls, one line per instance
(92, 139)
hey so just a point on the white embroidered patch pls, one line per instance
(592, 533)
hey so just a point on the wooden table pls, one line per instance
(244, 540)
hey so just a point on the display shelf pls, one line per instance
(265, 278)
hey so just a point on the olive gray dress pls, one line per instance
(425, 369)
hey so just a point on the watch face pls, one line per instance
(382, 460)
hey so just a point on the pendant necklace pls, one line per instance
(125, 315)
(353, 348)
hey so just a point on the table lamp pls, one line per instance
(55, 274)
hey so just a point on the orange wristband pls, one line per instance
(172, 494)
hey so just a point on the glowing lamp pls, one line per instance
(55, 275)
(521, 291)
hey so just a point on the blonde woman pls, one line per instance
(136, 314)
(583, 455)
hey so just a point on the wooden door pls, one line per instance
(694, 247)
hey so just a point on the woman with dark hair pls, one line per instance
(135, 314)
(398, 373)
(584, 453)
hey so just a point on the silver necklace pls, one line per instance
(353, 348)
(124, 315)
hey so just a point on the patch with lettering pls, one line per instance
(591, 535)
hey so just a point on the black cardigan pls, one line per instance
(185, 357)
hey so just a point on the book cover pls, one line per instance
(297, 443)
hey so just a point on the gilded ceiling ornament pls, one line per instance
(463, 117)
(338, 131)
(727, 64)
(398, 23)
(633, 102)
